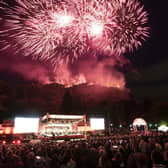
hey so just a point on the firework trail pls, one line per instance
(63, 31)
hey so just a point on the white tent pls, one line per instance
(163, 128)
(140, 122)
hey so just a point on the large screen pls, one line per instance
(26, 125)
(97, 123)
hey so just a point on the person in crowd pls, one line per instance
(116, 151)
(157, 159)
(165, 154)
(138, 160)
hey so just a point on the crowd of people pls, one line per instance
(129, 151)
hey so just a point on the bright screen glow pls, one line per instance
(97, 123)
(26, 125)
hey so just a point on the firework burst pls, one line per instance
(131, 28)
(63, 31)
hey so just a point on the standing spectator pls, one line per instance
(165, 154)
(157, 159)
(138, 160)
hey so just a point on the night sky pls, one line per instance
(151, 60)
(148, 77)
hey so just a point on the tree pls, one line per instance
(66, 105)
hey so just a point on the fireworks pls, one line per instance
(63, 31)
(131, 30)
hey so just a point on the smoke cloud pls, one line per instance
(104, 71)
